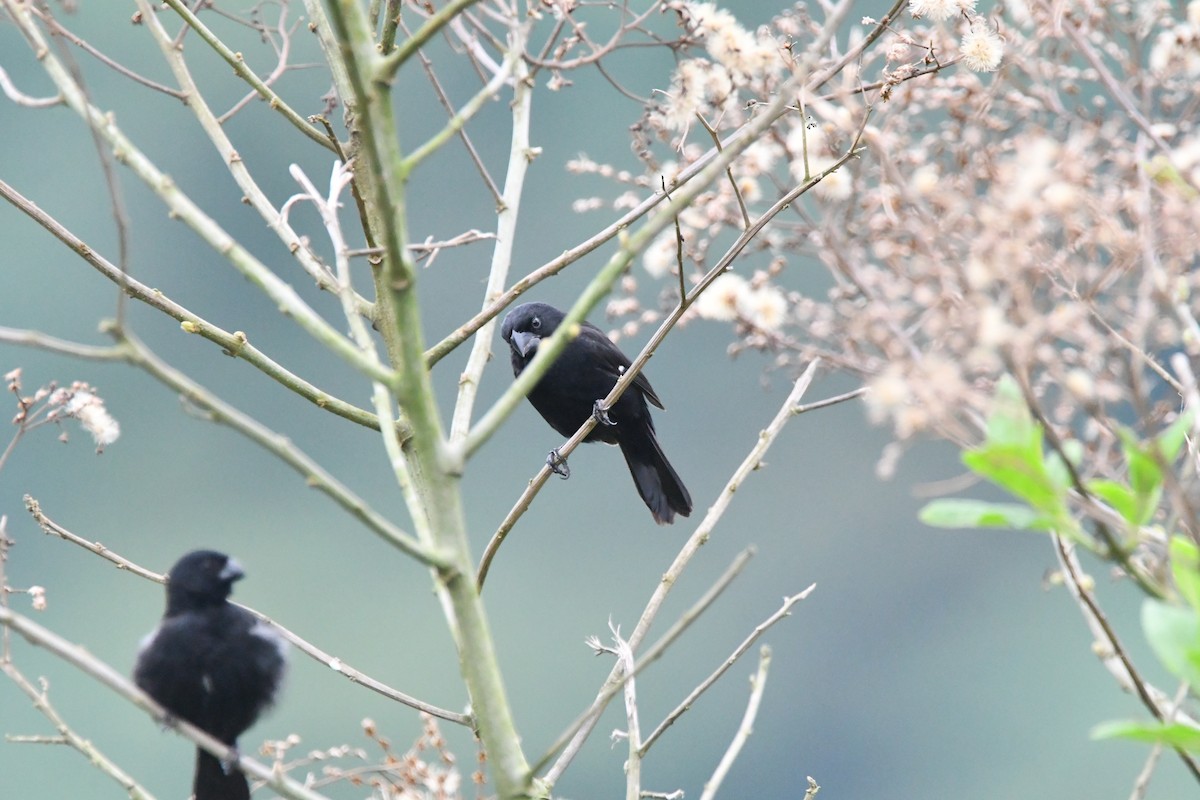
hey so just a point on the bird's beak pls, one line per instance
(232, 571)
(525, 343)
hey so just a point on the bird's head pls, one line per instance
(526, 325)
(202, 577)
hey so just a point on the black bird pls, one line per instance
(584, 373)
(211, 663)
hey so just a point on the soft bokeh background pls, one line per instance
(926, 664)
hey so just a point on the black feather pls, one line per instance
(585, 372)
(211, 663)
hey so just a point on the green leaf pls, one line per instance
(1174, 635)
(1172, 439)
(1174, 734)
(1057, 472)
(1185, 566)
(1144, 475)
(1009, 421)
(1018, 469)
(961, 513)
(1117, 495)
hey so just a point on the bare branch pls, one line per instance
(335, 663)
(67, 735)
(22, 99)
(1114, 656)
(236, 61)
(90, 665)
(758, 684)
(652, 654)
(752, 462)
(690, 700)
(234, 344)
(519, 157)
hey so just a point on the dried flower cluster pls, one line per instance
(718, 91)
(425, 772)
(51, 404)
(1034, 220)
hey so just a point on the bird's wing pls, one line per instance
(614, 362)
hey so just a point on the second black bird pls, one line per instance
(584, 373)
(211, 663)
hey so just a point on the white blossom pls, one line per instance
(722, 299)
(660, 259)
(837, 185)
(89, 410)
(939, 10)
(981, 48)
(765, 307)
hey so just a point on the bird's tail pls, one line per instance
(656, 480)
(214, 782)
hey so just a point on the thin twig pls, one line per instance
(20, 98)
(43, 341)
(653, 653)
(737, 193)
(737, 653)
(1117, 660)
(1114, 550)
(233, 344)
(238, 63)
(181, 205)
(335, 663)
(464, 114)
(506, 234)
(90, 665)
(533, 372)
(68, 736)
(57, 29)
(752, 462)
(444, 99)
(758, 684)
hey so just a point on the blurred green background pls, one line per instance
(926, 664)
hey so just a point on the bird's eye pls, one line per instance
(536, 324)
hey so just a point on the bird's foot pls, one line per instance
(558, 465)
(601, 414)
(228, 764)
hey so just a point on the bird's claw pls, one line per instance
(558, 465)
(601, 414)
(227, 764)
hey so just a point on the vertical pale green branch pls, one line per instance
(381, 176)
(519, 158)
(381, 394)
(182, 206)
(391, 22)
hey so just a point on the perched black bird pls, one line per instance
(211, 663)
(569, 392)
